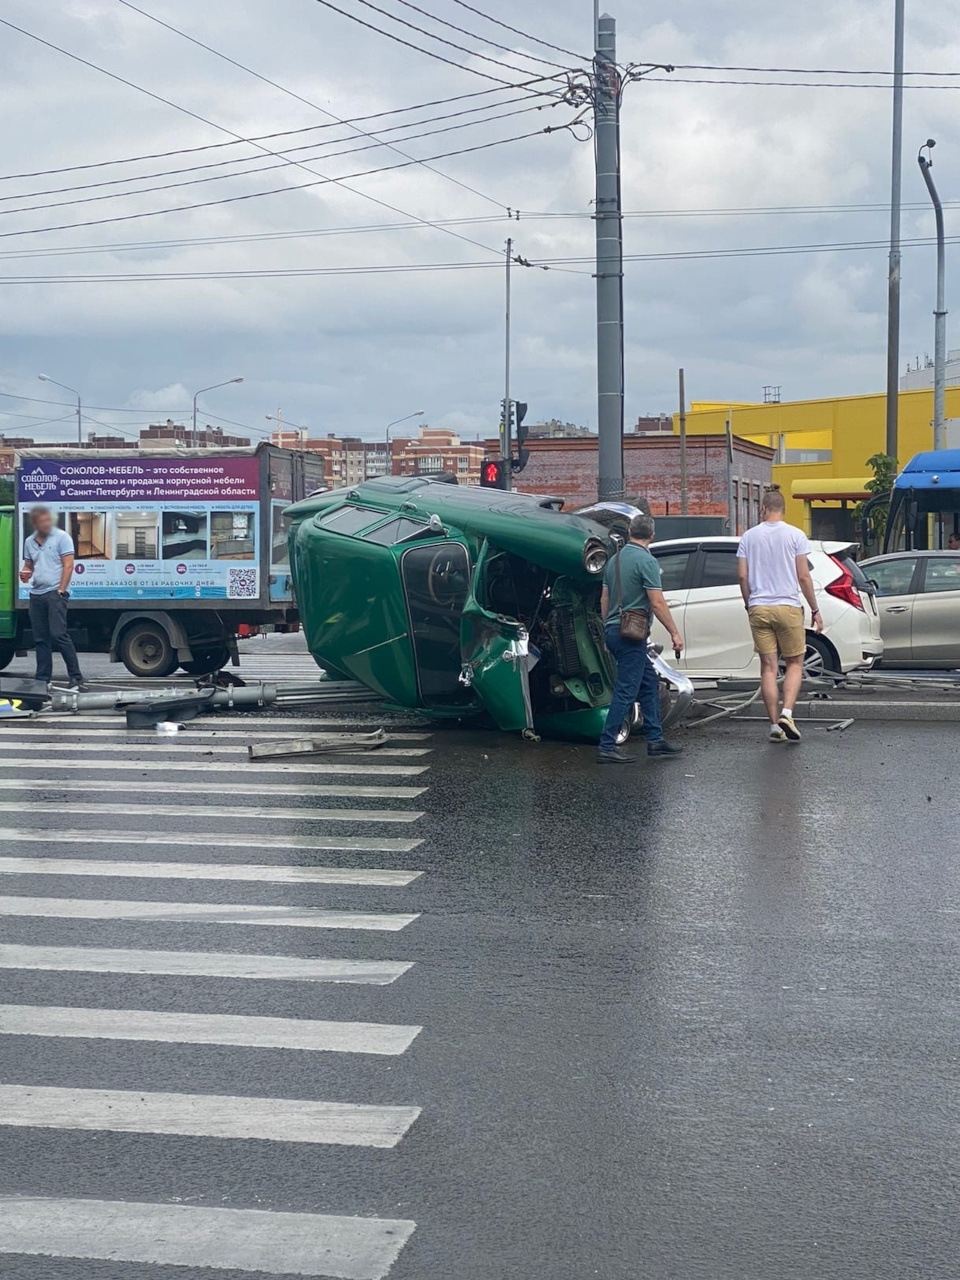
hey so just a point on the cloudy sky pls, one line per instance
(343, 348)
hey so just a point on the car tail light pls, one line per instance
(844, 588)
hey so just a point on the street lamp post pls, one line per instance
(228, 383)
(73, 391)
(940, 315)
(396, 422)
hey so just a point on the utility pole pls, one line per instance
(683, 446)
(940, 315)
(506, 444)
(893, 281)
(606, 106)
(731, 512)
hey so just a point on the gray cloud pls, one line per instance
(350, 352)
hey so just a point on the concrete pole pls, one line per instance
(940, 315)
(893, 279)
(606, 102)
(506, 444)
(683, 446)
(731, 513)
(79, 421)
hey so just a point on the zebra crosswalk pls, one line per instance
(105, 812)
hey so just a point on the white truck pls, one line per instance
(177, 552)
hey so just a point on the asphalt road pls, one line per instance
(688, 1020)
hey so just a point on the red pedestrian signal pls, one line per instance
(493, 474)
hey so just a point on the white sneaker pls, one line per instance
(777, 734)
(788, 725)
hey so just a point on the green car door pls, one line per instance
(495, 650)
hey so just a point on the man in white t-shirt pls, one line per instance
(774, 573)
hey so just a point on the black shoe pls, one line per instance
(663, 748)
(614, 756)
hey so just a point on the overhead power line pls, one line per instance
(130, 84)
(787, 84)
(408, 4)
(451, 44)
(439, 57)
(217, 53)
(285, 133)
(525, 34)
(702, 255)
(244, 173)
(797, 71)
(301, 186)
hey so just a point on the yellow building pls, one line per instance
(824, 446)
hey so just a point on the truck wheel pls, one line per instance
(206, 661)
(145, 650)
(7, 654)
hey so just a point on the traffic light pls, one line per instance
(493, 473)
(523, 455)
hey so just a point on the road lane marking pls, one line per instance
(35, 835)
(191, 734)
(202, 913)
(212, 811)
(135, 746)
(241, 1030)
(201, 964)
(105, 763)
(249, 789)
(205, 871)
(303, 1244)
(204, 1115)
(251, 724)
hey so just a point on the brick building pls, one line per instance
(434, 449)
(651, 463)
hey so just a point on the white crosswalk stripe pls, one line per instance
(201, 964)
(205, 871)
(202, 913)
(341, 790)
(150, 744)
(215, 811)
(104, 762)
(197, 731)
(35, 835)
(303, 1244)
(205, 1115)
(97, 773)
(242, 1030)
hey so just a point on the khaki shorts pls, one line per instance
(778, 628)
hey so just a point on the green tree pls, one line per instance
(877, 507)
(6, 492)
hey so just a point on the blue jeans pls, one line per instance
(637, 681)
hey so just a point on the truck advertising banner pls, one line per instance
(152, 528)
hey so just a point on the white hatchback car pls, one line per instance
(701, 587)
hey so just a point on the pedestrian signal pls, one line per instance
(493, 474)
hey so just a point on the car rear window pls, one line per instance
(860, 579)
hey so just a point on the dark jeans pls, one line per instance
(48, 622)
(637, 681)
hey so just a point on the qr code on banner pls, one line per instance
(242, 584)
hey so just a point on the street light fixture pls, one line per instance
(940, 315)
(228, 383)
(396, 422)
(73, 391)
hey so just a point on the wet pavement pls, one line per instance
(690, 1019)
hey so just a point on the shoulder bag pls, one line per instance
(634, 623)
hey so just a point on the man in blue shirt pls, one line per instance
(637, 681)
(48, 557)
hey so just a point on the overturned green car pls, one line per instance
(460, 602)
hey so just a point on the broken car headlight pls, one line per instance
(594, 556)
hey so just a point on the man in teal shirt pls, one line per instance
(637, 681)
